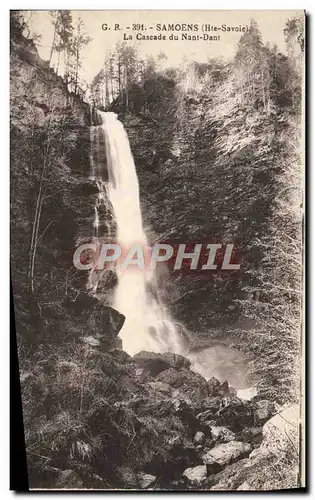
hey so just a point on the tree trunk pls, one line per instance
(76, 70)
(58, 62)
(38, 208)
(54, 40)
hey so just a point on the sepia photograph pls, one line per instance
(157, 164)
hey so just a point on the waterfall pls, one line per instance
(148, 325)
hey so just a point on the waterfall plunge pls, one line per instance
(148, 325)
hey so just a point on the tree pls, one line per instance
(294, 33)
(64, 30)
(252, 68)
(55, 20)
(21, 23)
(294, 36)
(79, 42)
(119, 73)
(127, 57)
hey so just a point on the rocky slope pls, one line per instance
(106, 420)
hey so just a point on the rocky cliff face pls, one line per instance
(52, 202)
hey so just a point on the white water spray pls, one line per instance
(148, 325)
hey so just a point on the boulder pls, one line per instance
(213, 384)
(105, 326)
(176, 360)
(111, 322)
(211, 407)
(250, 435)
(263, 410)
(118, 343)
(226, 453)
(221, 434)
(107, 320)
(160, 389)
(195, 476)
(228, 478)
(257, 472)
(217, 388)
(258, 453)
(282, 430)
(179, 397)
(121, 356)
(235, 413)
(155, 363)
(187, 416)
(150, 362)
(223, 389)
(171, 465)
(191, 384)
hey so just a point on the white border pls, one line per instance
(4, 184)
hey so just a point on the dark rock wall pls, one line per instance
(51, 196)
